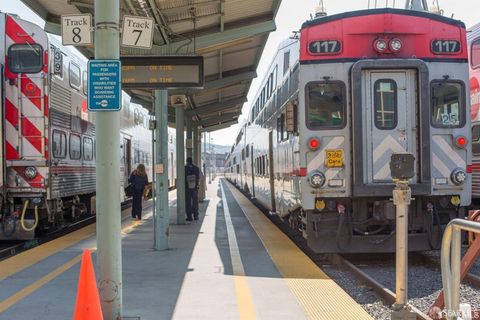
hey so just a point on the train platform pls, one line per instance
(231, 264)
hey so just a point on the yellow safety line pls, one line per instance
(320, 296)
(32, 256)
(19, 295)
(246, 309)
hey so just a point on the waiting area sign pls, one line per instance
(104, 85)
(162, 72)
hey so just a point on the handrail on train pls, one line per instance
(450, 263)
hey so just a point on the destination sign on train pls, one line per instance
(162, 72)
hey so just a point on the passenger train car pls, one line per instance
(48, 135)
(336, 104)
(473, 38)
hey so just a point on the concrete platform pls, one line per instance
(219, 267)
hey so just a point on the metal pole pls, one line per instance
(188, 122)
(196, 148)
(161, 174)
(179, 123)
(455, 258)
(209, 158)
(107, 128)
(401, 199)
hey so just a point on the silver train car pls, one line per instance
(336, 104)
(48, 135)
(473, 39)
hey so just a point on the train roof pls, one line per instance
(367, 12)
(473, 32)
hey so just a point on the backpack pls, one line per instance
(191, 178)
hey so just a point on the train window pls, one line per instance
(247, 151)
(325, 105)
(75, 147)
(385, 104)
(286, 61)
(87, 149)
(243, 154)
(476, 139)
(448, 104)
(85, 83)
(74, 75)
(475, 54)
(25, 58)
(280, 128)
(59, 144)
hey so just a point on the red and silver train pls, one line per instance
(48, 135)
(473, 38)
(336, 104)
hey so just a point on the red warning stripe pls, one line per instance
(32, 134)
(34, 95)
(16, 32)
(11, 152)
(37, 182)
(11, 113)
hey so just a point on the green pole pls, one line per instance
(179, 124)
(107, 128)
(189, 146)
(161, 178)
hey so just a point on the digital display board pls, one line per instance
(162, 72)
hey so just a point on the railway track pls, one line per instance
(9, 250)
(382, 291)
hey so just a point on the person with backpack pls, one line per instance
(192, 181)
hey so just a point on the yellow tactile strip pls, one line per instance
(320, 296)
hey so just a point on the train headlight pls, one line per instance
(380, 45)
(458, 176)
(30, 172)
(395, 45)
(316, 179)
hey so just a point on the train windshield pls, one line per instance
(25, 58)
(447, 105)
(325, 105)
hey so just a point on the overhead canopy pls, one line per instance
(229, 34)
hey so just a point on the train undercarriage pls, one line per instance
(23, 217)
(368, 224)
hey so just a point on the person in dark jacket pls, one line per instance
(138, 178)
(192, 180)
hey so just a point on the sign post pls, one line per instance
(107, 131)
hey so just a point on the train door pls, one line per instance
(253, 170)
(127, 156)
(271, 171)
(389, 122)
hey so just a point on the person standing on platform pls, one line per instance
(138, 178)
(192, 180)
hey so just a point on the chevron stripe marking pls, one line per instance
(35, 96)
(11, 152)
(11, 113)
(16, 32)
(32, 134)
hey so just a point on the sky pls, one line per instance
(290, 17)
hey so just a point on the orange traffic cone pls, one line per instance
(88, 305)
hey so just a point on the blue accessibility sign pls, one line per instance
(104, 85)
